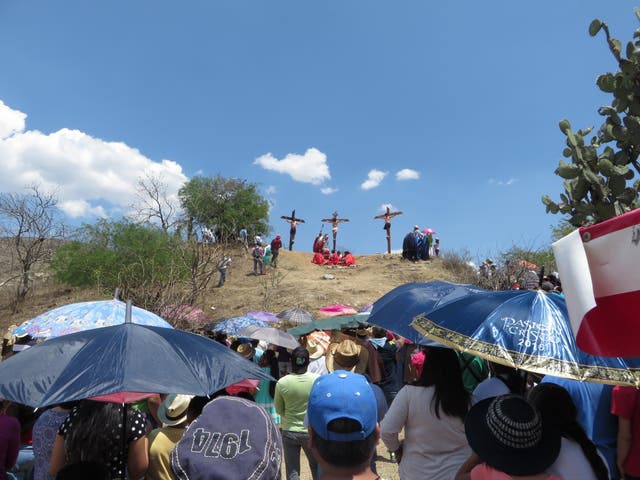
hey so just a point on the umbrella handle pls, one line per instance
(127, 316)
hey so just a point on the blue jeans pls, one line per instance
(292, 442)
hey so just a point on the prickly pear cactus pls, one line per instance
(599, 173)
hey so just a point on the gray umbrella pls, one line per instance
(270, 335)
(297, 316)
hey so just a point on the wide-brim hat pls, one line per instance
(246, 350)
(347, 355)
(507, 433)
(315, 349)
(173, 410)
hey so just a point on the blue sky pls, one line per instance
(447, 111)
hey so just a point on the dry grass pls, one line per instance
(295, 283)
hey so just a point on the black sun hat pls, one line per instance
(507, 433)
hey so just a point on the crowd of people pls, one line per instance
(323, 256)
(441, 414)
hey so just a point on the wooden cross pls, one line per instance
(387, 216)
(334, 221)
(294, 224)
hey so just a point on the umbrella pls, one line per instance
(332, 323)
(334, 310)
(527, 264)
(232, 326)
(270, 335)
(122, 358)
(77, 317)
(428, 231)
(525, 329)
(366, 308)
(297, 316)
(264, 316)
(396, 309)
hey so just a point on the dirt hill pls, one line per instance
(295, 283)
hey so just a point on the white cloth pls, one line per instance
(433, 447)
(318, 366)
(571, 464)
(491, 387)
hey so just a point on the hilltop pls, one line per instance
(295, 283)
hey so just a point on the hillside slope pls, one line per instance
(295, 283)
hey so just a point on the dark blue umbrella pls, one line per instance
(525, 329)
(122, 358)
(395, 310)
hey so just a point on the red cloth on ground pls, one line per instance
(349, 260)
(318, 258)
(335, 259)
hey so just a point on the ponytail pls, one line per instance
(574, 431)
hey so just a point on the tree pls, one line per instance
(597, 181)
(153, 203)
(31, 222)
(150, 266)
(226, 203)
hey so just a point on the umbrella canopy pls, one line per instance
(122, 358)
(428, 231)
(525, 329)
(395, 310)
(334, 310)
(264, 316)
(366, 308)
(298, 316)
(331, 323)
(270, 335)
(77, 317)
(232, 326)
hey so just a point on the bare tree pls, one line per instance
(30, 222)
(154, 203)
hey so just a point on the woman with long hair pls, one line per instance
(267, 388)
(578, 457)
(94, 432)
(432, 413)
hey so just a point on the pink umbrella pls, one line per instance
(335, 310)
(428, 231)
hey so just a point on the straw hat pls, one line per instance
(315, 349)
(173, 410)
(246, 350)
(347, 355)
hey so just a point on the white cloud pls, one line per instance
(407, 174)
(271, 190)
(11, 121)
(373, 179)
(384, 206)
(328, 190)
(88, 174)
(308, 168)
(502, 183)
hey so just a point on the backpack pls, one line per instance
(257, 252)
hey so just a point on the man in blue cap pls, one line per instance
(343, 426)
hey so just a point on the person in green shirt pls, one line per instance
(291, 398)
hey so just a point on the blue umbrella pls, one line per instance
(232, 326)
(122, 358)
(525, 329)
(77, 317)
(395, 310)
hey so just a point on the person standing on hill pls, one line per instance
(276, 245)
(258, 259)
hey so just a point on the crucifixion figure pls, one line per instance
(334, 221)
(387, 216)
(294, 224)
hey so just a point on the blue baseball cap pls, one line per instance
(342, 394)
